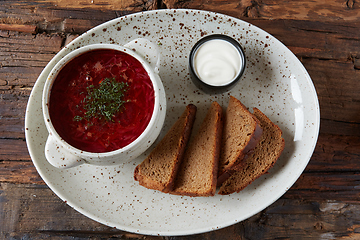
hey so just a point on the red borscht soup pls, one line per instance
(101, 101)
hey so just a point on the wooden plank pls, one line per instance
(100, 5)
(80, 25)
(333, 167)
(335, 153)
(18, 12)
(337, 85)
(316, 10)
(19, 28)
(323, 203)
(329, 59)
(12, 123)
(335, 181)
(35, 208)
(305, 220)
(13, 104)
(319, 186)
(24, 56)
(328, 126)
(14, 100)
(34, 212)
(59, 16)
(12, 127)
(338, 102)
(12, 111)
(233, 8)
(13, 149)
(50, 16)
(335, 99)
(333, 171)
(310, 39)
(28, 48)
(19, 172)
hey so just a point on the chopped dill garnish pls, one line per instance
(78, 118)
(104, 101)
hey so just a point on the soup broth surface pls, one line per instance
(101, 101)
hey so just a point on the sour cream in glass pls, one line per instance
(217, 62)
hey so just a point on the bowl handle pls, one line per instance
(58, 156)
(148, 50)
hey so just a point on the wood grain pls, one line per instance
(323, 204)
(134, 5)
(325, 62)
(64, 15)
(23, 57)
(326, 177)
(317, 10)
(19, 28)
(286, 218)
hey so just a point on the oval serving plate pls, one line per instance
(274, 81)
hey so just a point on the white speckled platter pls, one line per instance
(275, 82)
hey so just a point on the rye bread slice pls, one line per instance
(241, 134)
(261, 160)
(159, 169)
(197, 175)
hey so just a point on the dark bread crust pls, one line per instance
(261, 160)
(197, 175)
(159, 169)
(241, 134)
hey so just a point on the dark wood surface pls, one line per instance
(325, 35)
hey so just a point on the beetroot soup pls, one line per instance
(101, 101)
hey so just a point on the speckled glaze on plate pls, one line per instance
(274, 81)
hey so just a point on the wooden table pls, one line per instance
(325, 35)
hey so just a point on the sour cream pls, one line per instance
(217, 62)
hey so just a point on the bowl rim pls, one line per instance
(65, 60)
